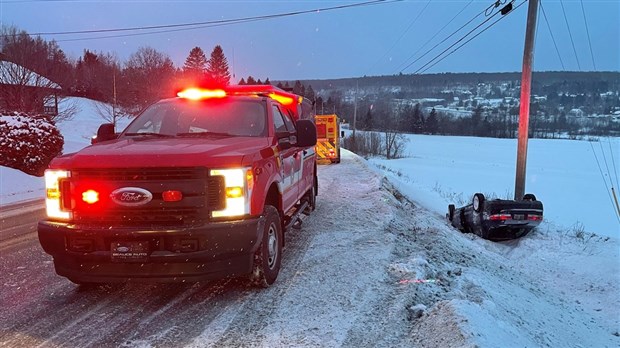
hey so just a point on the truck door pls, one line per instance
(289, 157)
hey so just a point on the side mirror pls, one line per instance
(284, 140)
(306, 133)
(104, 133)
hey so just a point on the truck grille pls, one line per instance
(141, 174)
(146, 217)
(201, 195)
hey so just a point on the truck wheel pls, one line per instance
(268, 257)
(478, 202)
(310, 197)
(529, 197)
(313, 193)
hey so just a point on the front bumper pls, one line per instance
(213, 250)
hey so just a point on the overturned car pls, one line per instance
(497, 219)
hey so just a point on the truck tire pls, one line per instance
(310, 197)
(478, 202)
(268, 257)
(529, 197)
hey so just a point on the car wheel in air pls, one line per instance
(451, 209)
(529, 197)
(478, 202)
(268, 257)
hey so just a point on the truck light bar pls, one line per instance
(199, 94)
(272, 92)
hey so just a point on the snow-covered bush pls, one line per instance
(28, 142)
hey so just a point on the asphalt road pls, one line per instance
(40, 308)
(332, 290)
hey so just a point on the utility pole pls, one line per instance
(114, 95)
(355, 108)
(524, 109)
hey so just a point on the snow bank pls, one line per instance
(28, 142)
(17, 186)
(563, 174)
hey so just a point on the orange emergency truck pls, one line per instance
(328, 138)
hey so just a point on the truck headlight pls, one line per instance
(238, 184)
(56, 194)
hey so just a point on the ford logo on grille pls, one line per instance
(131, 196)
(122, 249)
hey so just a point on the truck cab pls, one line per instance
(197, 187)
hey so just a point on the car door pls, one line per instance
(289, 157)
(300, 172)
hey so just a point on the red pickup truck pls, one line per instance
(197, 187)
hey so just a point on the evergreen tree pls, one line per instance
(368, 120)
(310, 93)
(267, 82)
(418, 119)
(217, 67)
(251, 81)
(280, 85)
(259, 82)
(298, 88)
(242, 81)
(476, 120)
(195, 64)
(432, 123)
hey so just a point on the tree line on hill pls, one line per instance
(380, 103)
(147, 76)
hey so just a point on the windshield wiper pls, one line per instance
(202, 134)
(150, 133)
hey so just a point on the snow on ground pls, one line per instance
(380, 270)
(563, 174)
(16, 186)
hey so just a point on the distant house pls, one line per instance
(22, 89)
(576, 112)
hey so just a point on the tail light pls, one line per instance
(500, 217)
(535, 217)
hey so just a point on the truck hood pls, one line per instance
(170, 152)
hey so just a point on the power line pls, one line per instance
(570, 34)
(208, 23)
(160, 31)
(588, 32)
(401, 36)
(464, 43)
(552, 37)
(457, 41)
(448, 37)
(437, 33)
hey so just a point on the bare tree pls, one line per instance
(394, 144)
(28, 69)
(148, 76)
(394, 141)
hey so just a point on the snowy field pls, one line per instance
(563, 174)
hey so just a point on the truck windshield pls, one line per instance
(224, 117)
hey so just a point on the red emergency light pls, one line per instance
(199, 93)
(291, 101)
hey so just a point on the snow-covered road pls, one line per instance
(368, 268)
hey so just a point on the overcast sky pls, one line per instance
(379, 39)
